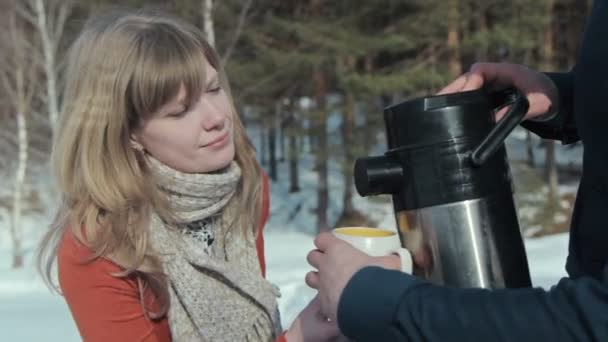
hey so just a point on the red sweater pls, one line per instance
(106, 308)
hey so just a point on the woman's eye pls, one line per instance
(215, 90)
(178, 114)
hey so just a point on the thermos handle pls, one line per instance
(503, 128)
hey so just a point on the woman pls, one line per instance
(159, 234)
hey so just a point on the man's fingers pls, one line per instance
(492, 75)
(501, 113)
(471, 80)
(474, 80)
(496, 76)
(314, 258)
(324, 240)
(455, 86)
(312, 279)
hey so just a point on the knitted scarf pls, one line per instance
(216, 294)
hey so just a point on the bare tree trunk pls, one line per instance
(19, 81)
(282, 137)
(272, 139)
(433, 71)
(292, 128)
(49, 19)
(551, 169)
(578, 11)
(49, 64)
(311, 134)
(348, 128)
(263, 139)
(320, 128)
(370, 116)
(208, 22)
(548, 57)
(16, 226)
(455, 66)
(530, 149)
(529, 141)
(481, 53)
(348, 143)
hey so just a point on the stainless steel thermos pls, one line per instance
(447, 171)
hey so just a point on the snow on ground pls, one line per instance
(29, 312)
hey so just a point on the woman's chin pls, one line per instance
(218, 163)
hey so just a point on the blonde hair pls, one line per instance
(125, 65)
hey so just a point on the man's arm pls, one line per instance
(561, 126)
(383, 305)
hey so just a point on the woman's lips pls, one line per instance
(218, 142)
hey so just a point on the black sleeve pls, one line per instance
(562, 126)
(383, 305)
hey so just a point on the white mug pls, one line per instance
(376, 242)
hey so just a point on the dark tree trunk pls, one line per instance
(320, 86)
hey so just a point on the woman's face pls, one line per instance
(196, 139)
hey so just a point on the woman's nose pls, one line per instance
(213, 118)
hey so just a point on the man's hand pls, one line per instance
(337, 262)
(538, 88)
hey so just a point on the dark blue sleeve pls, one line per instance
(562, 126)
(383, 305)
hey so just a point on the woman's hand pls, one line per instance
(311, 325)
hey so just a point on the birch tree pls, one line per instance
(49, 17)
(18, 79)
(208, 21)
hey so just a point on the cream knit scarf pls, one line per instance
(219, 295)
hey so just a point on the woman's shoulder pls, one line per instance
(77, 265)
(104, 307)
(73, 251)
(71, 248)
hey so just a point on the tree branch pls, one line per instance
(65, 9)
(39, 154)
(6, 83)
(25, 12)
(8, 138)
(237, 32)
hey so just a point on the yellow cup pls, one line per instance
(376, 242)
